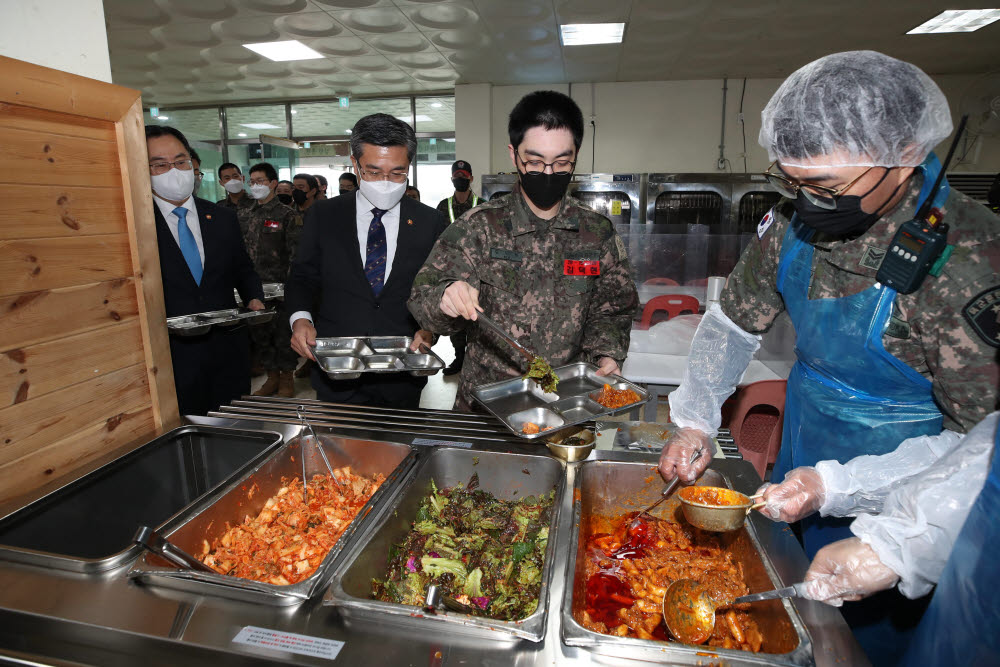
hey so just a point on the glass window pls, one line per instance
(251, 122)
(435, 114)
(211, 158)
(195, 124)
(327, 119)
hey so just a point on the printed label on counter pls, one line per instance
(289, 641)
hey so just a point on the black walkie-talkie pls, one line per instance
(920, 242)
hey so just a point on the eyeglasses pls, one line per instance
(539, 166)
(261, 181)
(819, 195)
(394, 176)
(156, 168)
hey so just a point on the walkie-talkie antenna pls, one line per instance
(925, 209)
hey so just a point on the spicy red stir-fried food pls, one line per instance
(287, 541)
(713, 495)
(631, 560)
(610, 397)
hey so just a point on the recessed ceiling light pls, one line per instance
(348, 130)
(450, 140)
(294, 111)
(259, 126)
(281, 51)
(581, 34)
(421, 118)
(242, 134)
(957, 20)
(163, 118)
(436, 105)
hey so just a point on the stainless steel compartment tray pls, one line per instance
(197, 324)
(272, 291)
(87, 525)
(231, 504)
(617, 487)
(346, 358)
(517, 401)
(507, 476)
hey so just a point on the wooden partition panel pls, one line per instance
(84, 355)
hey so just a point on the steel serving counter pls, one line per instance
(102, 618)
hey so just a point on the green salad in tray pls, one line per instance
(483, 552)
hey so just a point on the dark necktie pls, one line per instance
(189, 247)
(376, 252)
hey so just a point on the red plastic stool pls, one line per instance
(671, 304)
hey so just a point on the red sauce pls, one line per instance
(636, 538)
(606, 594)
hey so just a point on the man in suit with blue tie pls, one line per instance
(202, 258)
(356, 260)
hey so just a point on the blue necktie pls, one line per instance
(189, 247)
(376, 252)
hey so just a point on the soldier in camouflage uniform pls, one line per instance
(850, 135)
(551, 271)
(236, 199)
(272, 236)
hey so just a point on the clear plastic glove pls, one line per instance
(675, 461)
(847, 570)
(798, 496)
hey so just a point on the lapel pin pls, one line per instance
(409, 222)
(208, 217)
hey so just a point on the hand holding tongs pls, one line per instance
(152, 541)
(672, 484)
(306, 426)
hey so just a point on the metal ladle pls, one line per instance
(672, 484)
(689, 609)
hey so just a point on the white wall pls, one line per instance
(67, 35)
(659, 126)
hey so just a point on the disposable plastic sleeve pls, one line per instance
(720, 354)
(921, 520)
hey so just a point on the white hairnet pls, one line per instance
(855, 109)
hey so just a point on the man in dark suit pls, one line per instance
(202, 258)
(356, 260)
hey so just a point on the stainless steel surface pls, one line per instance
(272, 291)
(518, 401)
(346, 358)
(197, 324)
(246, 495)
(506, 476)
(56, 617)
(605, 488)
(152, 541)
(715, 518)
(619, 197)
(481, 318)
(795, 590)
(572, 445)
(88, 525)
(726, 203)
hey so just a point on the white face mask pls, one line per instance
(175, 185)
(383, 194)
(234, 186)
(259, 191)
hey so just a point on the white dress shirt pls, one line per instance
(167, 209)
(363, 220)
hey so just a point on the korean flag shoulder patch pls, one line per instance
(765, 224)
(983, 315)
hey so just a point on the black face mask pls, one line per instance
(285, 199)
(299, 196)
(344, 191)
(461, 184)
(848, 219)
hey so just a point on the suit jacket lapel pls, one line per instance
(208, 240)
(405, 238)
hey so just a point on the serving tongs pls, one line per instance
(510, 340)
(152, 541)
(435, 599)
(308, 434)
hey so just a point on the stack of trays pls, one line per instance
(346, 358)
(197, 324)
(272, 291)
(518, 401)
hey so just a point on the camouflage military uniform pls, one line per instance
(272, 235)
(523, 268)
(239, 208)
(457, 207)
(947, 330)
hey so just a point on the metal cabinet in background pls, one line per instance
(617, 196)
(725, 203)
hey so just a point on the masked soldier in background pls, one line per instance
(551, 271)
(272, 235)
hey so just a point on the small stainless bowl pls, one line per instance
(572, 446)
(728, 513)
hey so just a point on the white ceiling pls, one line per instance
(189, 52)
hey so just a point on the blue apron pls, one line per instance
(962, 623)
(848, 396)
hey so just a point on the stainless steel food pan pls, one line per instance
(507, 476)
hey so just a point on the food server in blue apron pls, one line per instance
(896, 330)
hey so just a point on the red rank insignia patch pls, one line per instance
(581, 267)
(272, 224)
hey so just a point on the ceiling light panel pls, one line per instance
(957, 20)
(260, 126)
(582, 34)
(283, 51)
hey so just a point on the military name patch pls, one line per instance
(272, 224)
(586, 267)
(765, 223)
(509, 255)
(983, 315)
(898, 328)
(872, 259)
